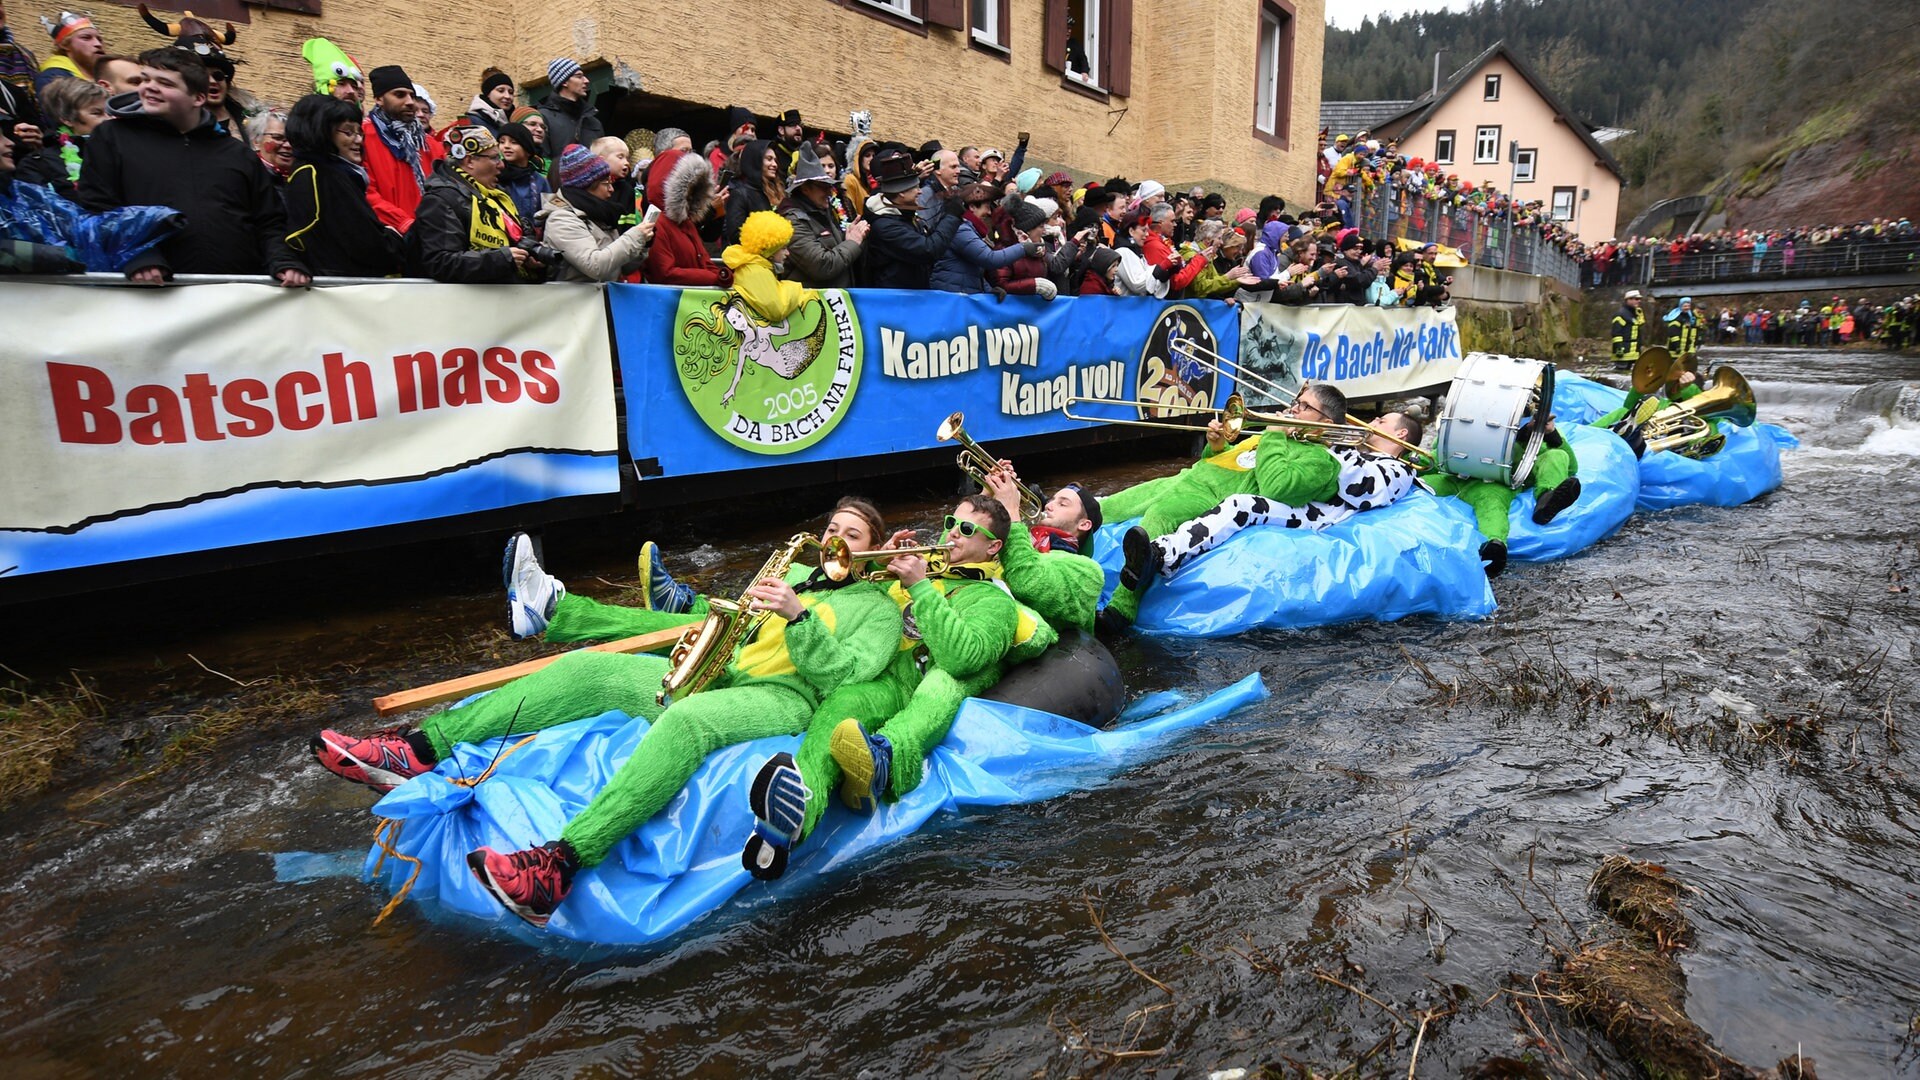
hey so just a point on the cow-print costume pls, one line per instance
(1367, 481)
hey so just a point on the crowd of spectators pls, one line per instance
(364, 178)
(1821, 324)
(1365, 180)
(1878, 245)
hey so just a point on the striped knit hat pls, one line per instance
(582, 168)
(559, 71)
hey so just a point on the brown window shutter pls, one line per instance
(1006, 23)
(1053, 44)
(1116, 54)
(951, 14)
(307, 7)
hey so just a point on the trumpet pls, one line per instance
(707, 647)
(1223, 366)
(838, 560)
(977, 463)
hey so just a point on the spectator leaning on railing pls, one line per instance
(822, 254)
(903, 244)
(171, 154)
(329, 221)
(467, 230)
(583, 222)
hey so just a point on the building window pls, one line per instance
(1273, 72)
(1493, 89)
(1090, 42)
(1443, 148)
(989, 25)
(1523, 166)
(1486, 145)
(1563, 203)
(898, 7)
(1083, 41)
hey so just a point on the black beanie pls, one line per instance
(1028, 217)
(391, 77)
(493, 77)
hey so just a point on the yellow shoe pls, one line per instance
(865, 764)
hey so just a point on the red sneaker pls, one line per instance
(529, 883)
(383, 760)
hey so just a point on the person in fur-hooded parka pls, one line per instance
(681, 185)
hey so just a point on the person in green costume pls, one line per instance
(1555, 487)
(1274, 464)
(1627, 420)
(1047, 577)
(818, 637)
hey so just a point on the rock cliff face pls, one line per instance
(1835, 181)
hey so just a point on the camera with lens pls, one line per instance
(541, 252)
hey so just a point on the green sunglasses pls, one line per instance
(967, 528)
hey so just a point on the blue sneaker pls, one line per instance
(662, 592)
(532, 593)
(778, 799)
(866, 765)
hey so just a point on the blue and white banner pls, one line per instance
(1368, 352)
(138, 423)
(713, 386)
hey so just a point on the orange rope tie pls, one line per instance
(387, 834)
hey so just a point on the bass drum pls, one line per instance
(1076, 678)
(1483, 431)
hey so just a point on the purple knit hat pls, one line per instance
(582, 168)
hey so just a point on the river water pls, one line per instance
(1728, 692)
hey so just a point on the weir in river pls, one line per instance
(1414, 813)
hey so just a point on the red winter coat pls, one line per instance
(681, 185)
(392, 190)
(1094, 285)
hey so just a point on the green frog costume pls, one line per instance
(1555, 487)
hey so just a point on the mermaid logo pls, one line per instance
(1173, 377)
(771, 388)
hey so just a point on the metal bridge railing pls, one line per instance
(1484, 239)
(1838, 258)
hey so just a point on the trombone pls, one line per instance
(1233, 416)
(977, 463)
(1236, 418)
(1221, 365)
(838, 560)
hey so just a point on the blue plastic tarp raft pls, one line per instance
(1610, 482)
(685, 862)
(1743, 470)
(1419, 556)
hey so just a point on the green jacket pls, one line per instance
(1294, 471)
(1061, 587)
(967, 628)
(849, 634)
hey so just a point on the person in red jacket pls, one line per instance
(1026, 276)
(399, 151)
(1158, 250)
(1099, 277)
(681, 184)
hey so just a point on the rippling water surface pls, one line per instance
(1728, 692)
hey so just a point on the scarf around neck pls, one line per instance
(602, 212)
(405, 139)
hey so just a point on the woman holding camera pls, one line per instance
(466, 229)
(583, 222)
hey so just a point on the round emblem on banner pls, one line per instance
(1174, 373)
(771, 388)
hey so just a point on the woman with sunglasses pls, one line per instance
(871, 738)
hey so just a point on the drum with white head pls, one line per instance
(1484, 433)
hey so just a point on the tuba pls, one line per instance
(1687, 428)
(708, 646)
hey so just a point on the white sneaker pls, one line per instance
(532, 593)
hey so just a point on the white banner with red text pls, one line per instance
(137, 423)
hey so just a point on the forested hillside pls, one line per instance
(1791, 112)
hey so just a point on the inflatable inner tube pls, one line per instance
(1076, 678)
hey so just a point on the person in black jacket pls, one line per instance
(466, 229)
(902, 245)
(172, 154)
(1347, 279)
(328, 219)
(763, 172)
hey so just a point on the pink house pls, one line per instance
(1482, 115)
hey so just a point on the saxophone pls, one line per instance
(708, 646)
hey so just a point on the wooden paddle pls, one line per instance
(455, 689)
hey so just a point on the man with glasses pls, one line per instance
(962, 629)
(1275, 464)
(172, 154)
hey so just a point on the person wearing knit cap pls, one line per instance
(492, 107)
(467, 230)
(583, 221)
(741, 130)
(825, 249)
(399, 153)
(523, 171)
(570, 117)
(1150, 193)
(1027, 275)
(536, 124)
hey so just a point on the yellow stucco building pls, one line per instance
(1224, 93)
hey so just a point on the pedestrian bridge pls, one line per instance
(1840, 265)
